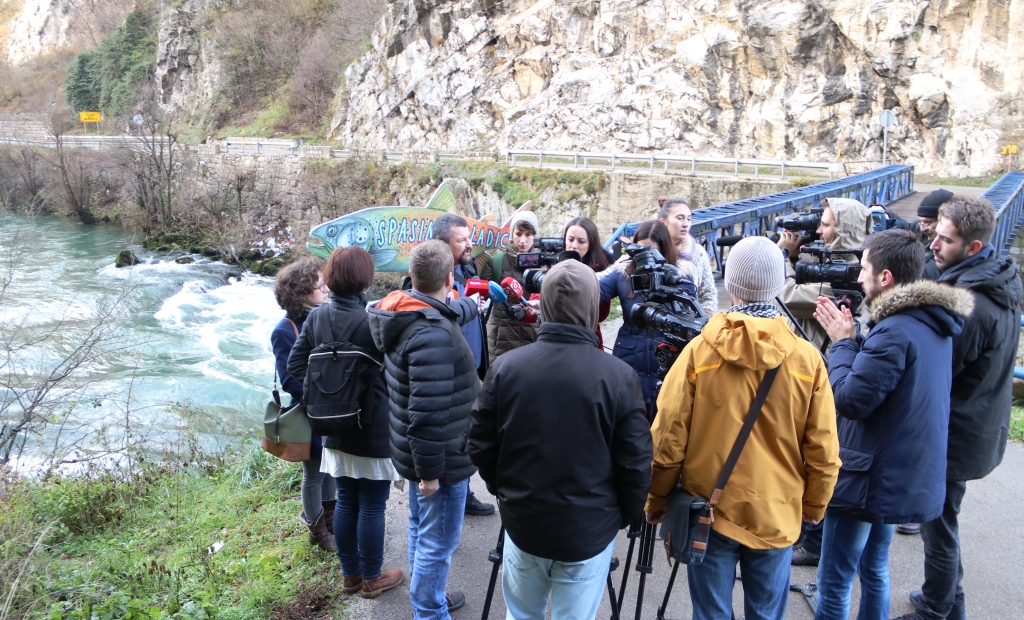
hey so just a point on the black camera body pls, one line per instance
(535, 264)
(806, 224)
(840, 274)
(667, 308)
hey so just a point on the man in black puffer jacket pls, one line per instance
(560, 435)
(432, 383)
(979, 407)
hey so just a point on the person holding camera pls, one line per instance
(432, 383)
(581, 236)
(692, 259)
(569, 469)
(633, 345)
(788, 466)
(298, 289)
(891, 391)
(504, 332)
(844, 225)
(359, 462)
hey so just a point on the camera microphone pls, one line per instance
(728, 241)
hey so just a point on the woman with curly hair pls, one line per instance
(298, 289)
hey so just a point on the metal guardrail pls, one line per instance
(1007, 196)
(754, 215)
(260, 146)
(91, 142)
(665, 164)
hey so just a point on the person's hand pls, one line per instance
(789, 240)
(838, 323)
(534, 305)
(428, 487)
(655, 517)
(479, 301)
(810, 520)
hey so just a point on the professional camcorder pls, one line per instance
(552, 251)
(885, 219)
(666, 308)
(840, 274)
(806, 224)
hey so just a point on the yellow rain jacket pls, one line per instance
(791, 460)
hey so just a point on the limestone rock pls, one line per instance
(785, 79)
(187, 70)
(47, 26)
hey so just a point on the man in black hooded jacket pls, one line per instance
(560, 436)
(979, 410)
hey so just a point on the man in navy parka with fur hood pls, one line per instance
(891, 391)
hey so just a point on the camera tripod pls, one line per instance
(497, 555)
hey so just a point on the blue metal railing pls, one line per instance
(1007, 196)
(754, 215)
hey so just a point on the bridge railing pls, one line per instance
(753, 216)
(1007, 196)
(664, 164)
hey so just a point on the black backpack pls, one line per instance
(338, 389)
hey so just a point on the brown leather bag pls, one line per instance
(286, 432)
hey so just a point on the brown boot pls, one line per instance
(351, 585)
(329, 514)
(318, 534)
(388, 580)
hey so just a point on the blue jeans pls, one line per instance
(359, 525)
(575, 588)
(850, 546)
(435, 527)
(765, 574)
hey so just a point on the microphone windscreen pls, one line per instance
(497, 295)
(512, 288)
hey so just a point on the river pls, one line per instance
(192, 344)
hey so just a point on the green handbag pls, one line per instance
(286, 432)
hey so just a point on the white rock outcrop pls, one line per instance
(47, 26)
(793, 79)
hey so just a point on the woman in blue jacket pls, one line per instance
(632, 345)
(298, 288)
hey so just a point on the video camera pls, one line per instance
(840, 274)
(884, 219)
(667, 308)
(807, 225)
(552, 252)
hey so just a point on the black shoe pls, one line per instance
(478, 508)
(909, 529)
(803, 557)
(907, 617)
(455, 599)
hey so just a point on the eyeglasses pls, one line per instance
(323, 288)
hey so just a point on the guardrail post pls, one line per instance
(693, 165)
(584, 163)
(258, 150)
(513, 159)
(575, 160)
(540, 159)
(666, 166)
(783, 170)
(613, 162)
(652, 164)
(737, 167)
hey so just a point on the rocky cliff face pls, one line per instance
(46, 26)
(794, 79)
(187, 70)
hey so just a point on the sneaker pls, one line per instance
(351, 585)
(388, 580)
(909, 529)
(803, 557)
(478, 508)
(917, 598)
(455, 599)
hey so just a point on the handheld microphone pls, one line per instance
(475, 285)
(513, 289)
(499, 297)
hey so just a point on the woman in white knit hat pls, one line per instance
(504, 333)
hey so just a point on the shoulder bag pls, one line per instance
(688, 518)
(286, 432)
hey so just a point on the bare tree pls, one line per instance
(76, 179)
(22, 177)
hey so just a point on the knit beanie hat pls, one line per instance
(755, 270)
(929, 207)
(524, 216)
(570, 294)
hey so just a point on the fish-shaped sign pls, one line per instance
(390, 233)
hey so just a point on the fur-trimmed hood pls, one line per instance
(943, 305)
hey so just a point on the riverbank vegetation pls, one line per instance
(198, 536)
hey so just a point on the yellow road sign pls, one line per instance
(90, 117)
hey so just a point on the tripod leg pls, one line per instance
(668, 591)
(632, 534)
(644, 564)
(611, 597)
(496, 557)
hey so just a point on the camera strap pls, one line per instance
(707, 517)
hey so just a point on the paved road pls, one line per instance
(992, 533)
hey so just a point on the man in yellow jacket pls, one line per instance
(790, 462)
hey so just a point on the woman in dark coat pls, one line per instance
(632, 345)
(505, 333)
(360, 461)
(580, 235)
(298, 288)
